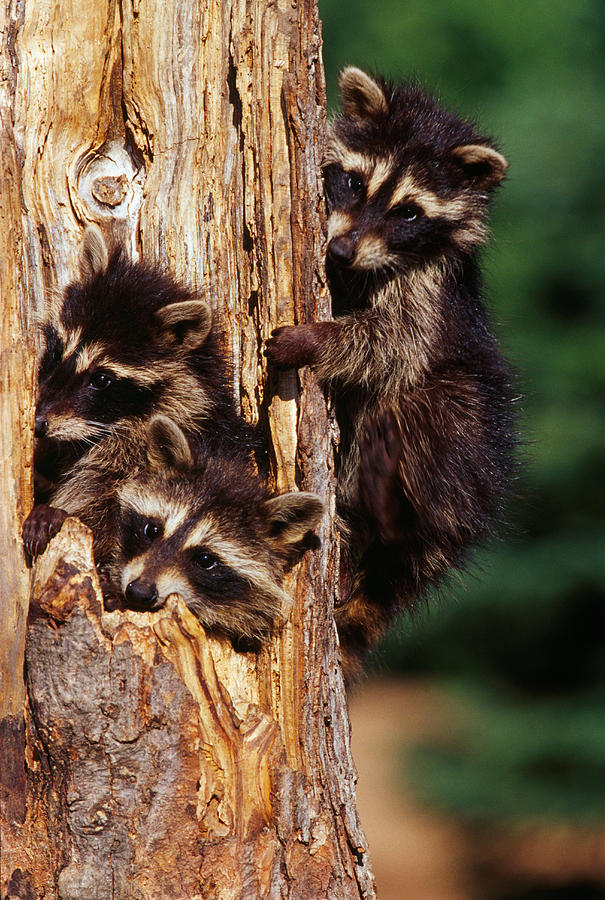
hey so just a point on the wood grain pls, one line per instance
(160, 762)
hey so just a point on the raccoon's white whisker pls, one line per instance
(103, 426)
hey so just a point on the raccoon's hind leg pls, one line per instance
(379, 487)
(376, 580)
(42, 524)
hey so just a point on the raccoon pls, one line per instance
(206, 527)
(125, 343)
(422, 393)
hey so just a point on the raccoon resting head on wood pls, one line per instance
(207, 528)
(125, 342)
(421, 392)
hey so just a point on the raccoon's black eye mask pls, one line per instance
(215, 579)
(204, 559)
(100, 380)
(137, 532)
(152, 530)
(354, 182)
(407, 212)
(343, 188)
(108, 397)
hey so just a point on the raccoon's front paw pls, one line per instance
(379, 455)
(112, 595)
(42, 524)
(292, 346)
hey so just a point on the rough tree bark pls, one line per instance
(143, 758)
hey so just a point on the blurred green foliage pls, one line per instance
(516, 761)
(527, 622)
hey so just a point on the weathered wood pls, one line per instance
(160, 763)
(16, 439)
(164, 777)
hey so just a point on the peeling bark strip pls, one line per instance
(158, 762)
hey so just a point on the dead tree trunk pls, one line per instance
(143, 758)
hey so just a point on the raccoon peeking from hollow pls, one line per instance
(125, 342)
(422, 394)
(206, 527)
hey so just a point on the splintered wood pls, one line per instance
(159, 762)
(160, 777)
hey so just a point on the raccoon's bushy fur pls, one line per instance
(422, 394)
(125, 343)
(207, 528)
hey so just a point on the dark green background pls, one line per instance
(521, 635)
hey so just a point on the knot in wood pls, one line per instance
(110, 190)
(109, 182)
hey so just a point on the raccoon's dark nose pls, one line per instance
(141, 594)
(40, 426)
(343, 247)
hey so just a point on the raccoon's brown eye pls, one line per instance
(206, 560)
(100, 380)
(151, 530)
(355, 182)
(407, 212)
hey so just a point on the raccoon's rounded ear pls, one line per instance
(291, 516)
(167, 446)
(189, 321)
(481, 165)
(362, 96)
(94, 255)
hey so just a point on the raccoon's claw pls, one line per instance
(379, 454)
(42, 524)
(278, 349)
(291, 346)
(112, 596)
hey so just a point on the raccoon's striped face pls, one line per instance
(83, 391)
(405, 181)
(166, 550)
(205, 527)
(103, 370)
(376, 217)
(217, 540)
(382, 216)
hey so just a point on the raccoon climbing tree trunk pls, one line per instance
(142, 757)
